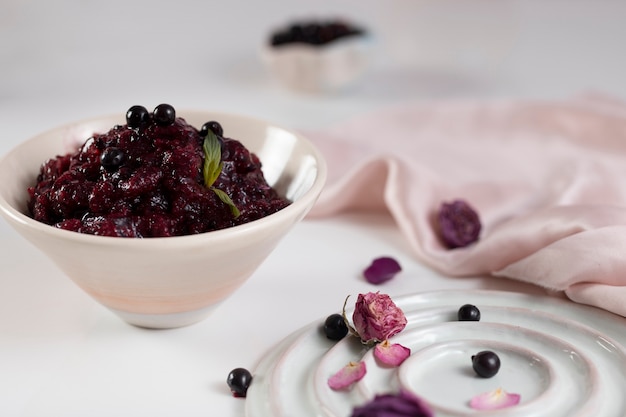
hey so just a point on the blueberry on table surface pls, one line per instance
(164, 115)
(238, 381)
(335, 327)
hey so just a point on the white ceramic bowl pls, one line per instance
(171, 281)
(319, 69)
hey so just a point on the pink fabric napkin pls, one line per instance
(548, 180)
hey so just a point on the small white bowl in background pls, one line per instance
(319, 68)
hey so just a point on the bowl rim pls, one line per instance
(306, 200)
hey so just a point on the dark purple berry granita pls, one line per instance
(314, 32)
(145, 179)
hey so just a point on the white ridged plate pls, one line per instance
(565, 359)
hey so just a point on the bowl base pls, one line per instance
(165, 321)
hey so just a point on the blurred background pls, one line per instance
(65, 60)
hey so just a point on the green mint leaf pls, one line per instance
(226, 199)
(212, 159)
(213, 167)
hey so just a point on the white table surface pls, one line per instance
(61, 354)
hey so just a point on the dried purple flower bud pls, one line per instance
(381, 270)
(404, 404)
(459, 224)
(376, 317)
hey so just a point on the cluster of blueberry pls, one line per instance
(139, 117)
(143, 179)
(314, 32)
(164, 115)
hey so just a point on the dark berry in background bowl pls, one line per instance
(315, 32)
(317, 55)
(159, 280)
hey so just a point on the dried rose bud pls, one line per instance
(459, 224)
(404, 404)
(377, 318)
(381, 270)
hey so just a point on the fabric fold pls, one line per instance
(548, 180)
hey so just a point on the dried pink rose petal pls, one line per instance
(381, 270)
(459, 224)
(391, 354)
(494, 400)
(348, 375)
(403, 404)
(376, 317)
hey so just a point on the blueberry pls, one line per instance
(279, 38)
(112, 158)
(314, 32)
(486, 363)
(213, 126)
(469, 312)
(137, 116)
(335, 327)
(238, 381)
(296, 33)
(164, 115)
